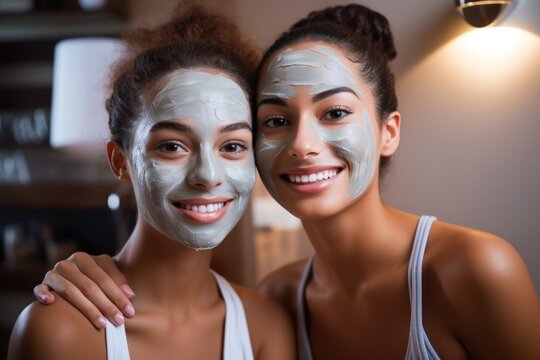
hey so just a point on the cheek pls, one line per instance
(242, 177)
(267, 152)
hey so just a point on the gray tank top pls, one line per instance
(419, 347)
(236, 342)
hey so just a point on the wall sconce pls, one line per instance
(79, 121)
(480, 13)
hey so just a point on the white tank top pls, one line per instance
(236, 342)
(419, 347)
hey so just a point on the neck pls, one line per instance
(365, 239)
(165, 273)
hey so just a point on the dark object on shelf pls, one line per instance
(24, 127)
(49, 4)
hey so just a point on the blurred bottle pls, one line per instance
(16, 249)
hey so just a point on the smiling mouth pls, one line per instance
(311, 177)
(201, 208)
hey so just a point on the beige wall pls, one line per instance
(471, 127)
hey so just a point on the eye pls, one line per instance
(171, 147)
(337, 113)
(276, 122)
(233, 147)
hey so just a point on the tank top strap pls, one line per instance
(116, 340)
(236, 340)
(419, 347)
(302, 336)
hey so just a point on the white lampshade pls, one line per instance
(82, 72)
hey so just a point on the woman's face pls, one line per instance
(317, 141)
(191, 157)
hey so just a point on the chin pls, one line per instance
(316, 209)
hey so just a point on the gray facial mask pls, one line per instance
(320, 69)
(207, 102)
(354, 142)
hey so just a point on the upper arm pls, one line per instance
(51, 332)
(282, 284)
(270, 327)
(279, 340)
(497, 304)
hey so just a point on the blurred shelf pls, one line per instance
(22, 277)
(51, 196)
(35, 26)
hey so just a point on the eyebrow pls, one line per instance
(184, 128)
(316, 98)
(327, 93)
(236, 126)
(272, 101)
(170, 125)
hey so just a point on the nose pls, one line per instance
(306, 141)
(206, 172)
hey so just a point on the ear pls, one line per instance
(390, 133)
(117, 161)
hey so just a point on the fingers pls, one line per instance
(85, 273)
(109, 266)
(43, 294)
(102, 272)
(69, 291)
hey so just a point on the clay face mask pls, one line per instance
(320, 69)
(206, 103)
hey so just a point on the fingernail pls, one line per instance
(118, 319)
(43, 298)
(127, 290)
(102, 322)
(129, 310)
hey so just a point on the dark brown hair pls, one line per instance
(196, 36)
(364, 35)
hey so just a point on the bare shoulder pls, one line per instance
(484, 290)
(461, 255)
(270, 328)
(56, 331)
(283, 283)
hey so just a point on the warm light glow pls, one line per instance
(493, 55)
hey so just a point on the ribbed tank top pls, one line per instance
(236, 342)
(419, 347)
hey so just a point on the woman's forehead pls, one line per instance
(207, 100)
(317, 64)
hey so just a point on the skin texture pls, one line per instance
(180, 309)
(479, 301)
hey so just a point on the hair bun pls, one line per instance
(359, 19)
(191, 23)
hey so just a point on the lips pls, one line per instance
(310, 180)
(204, 211)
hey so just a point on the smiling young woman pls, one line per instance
(181, 134)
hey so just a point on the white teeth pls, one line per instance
(208, 208)
(311, 178)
